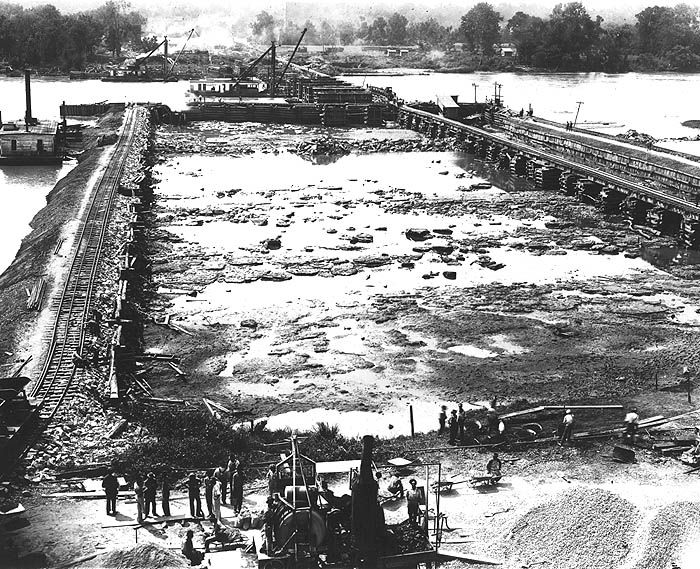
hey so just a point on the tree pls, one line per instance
(263, 27)
(311, 36)
(327, 35)
(429, 33)
(377, 33)
(480, 28)
(527, 33)
(660, 28)
(571, 36)
(616, 44)
(346, 33)
(396, 29)
(149, 42)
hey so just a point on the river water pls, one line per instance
(654, 103)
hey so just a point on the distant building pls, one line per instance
(506, 50)
(29, 144)
(449, 108)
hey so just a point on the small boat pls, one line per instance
(480, 186)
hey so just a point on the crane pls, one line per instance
(192, 31)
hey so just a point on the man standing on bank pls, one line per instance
(111, 487)
(150, 487)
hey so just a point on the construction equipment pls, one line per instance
(169, 71)
(309, 527)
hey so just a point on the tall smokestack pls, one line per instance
(28, 94)
(367, 524)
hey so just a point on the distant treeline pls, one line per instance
(43, 37)
(569, 39)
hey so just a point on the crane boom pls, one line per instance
(150, 53)
(296, 47)
(250, 68)
(179, 54)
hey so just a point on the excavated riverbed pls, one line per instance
(345, 288)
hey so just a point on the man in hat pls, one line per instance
(453, 424)
(195, 557)
(631, 424)
(111, 487)
(414, 497)
(442, 419)
(150, 487)
(567, 427)
(192, 486)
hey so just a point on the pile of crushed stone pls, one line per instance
(673, 533)
(585, 528)
(142, 556)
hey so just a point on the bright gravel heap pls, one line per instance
(672, 532)
(580, 529)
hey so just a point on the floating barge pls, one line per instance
(29, 142)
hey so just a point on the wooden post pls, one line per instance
(410, 412)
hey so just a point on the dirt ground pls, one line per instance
(296, 294)
(305, 292)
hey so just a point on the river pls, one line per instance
(654, 103)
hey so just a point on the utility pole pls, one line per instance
(475, 85)
(273, 57)
(579, 103)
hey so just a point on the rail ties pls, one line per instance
(70, 310)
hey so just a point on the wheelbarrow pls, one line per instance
(484, 480)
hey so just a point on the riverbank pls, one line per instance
(44, 252)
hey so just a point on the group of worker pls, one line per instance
(145, 490)
(217, 483)
(629, 432)
(462, 430)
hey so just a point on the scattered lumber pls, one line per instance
(557, 408)
(149, 522)
(118, 429)
(77, 561)
(36, 295)
(177, 370)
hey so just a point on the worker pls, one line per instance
(631, 425)
(230, 467)
(216, 495)
(237, 489)
(269, 521)
(521, 113)
(442, 419)
(222, 476)
(192, 486)
(150, 487)
(461, 420)
(208, 489)
(188, 550)
(165, 495)
(111, 487)
(493, 468)
(567, 427)
(492, 422)
(453, 424)
(414, 497)
(395, 486)
(138, 495)
(223, 534)
(271, 480)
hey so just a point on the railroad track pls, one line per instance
(69, 310)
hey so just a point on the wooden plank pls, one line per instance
(149, 522)
(448, 555)
(85, 495)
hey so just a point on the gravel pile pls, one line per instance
(579, 529)
(146, 556)
(672, 531)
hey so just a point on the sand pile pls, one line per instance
(585, 528)
(673, 535)
(142, 556)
